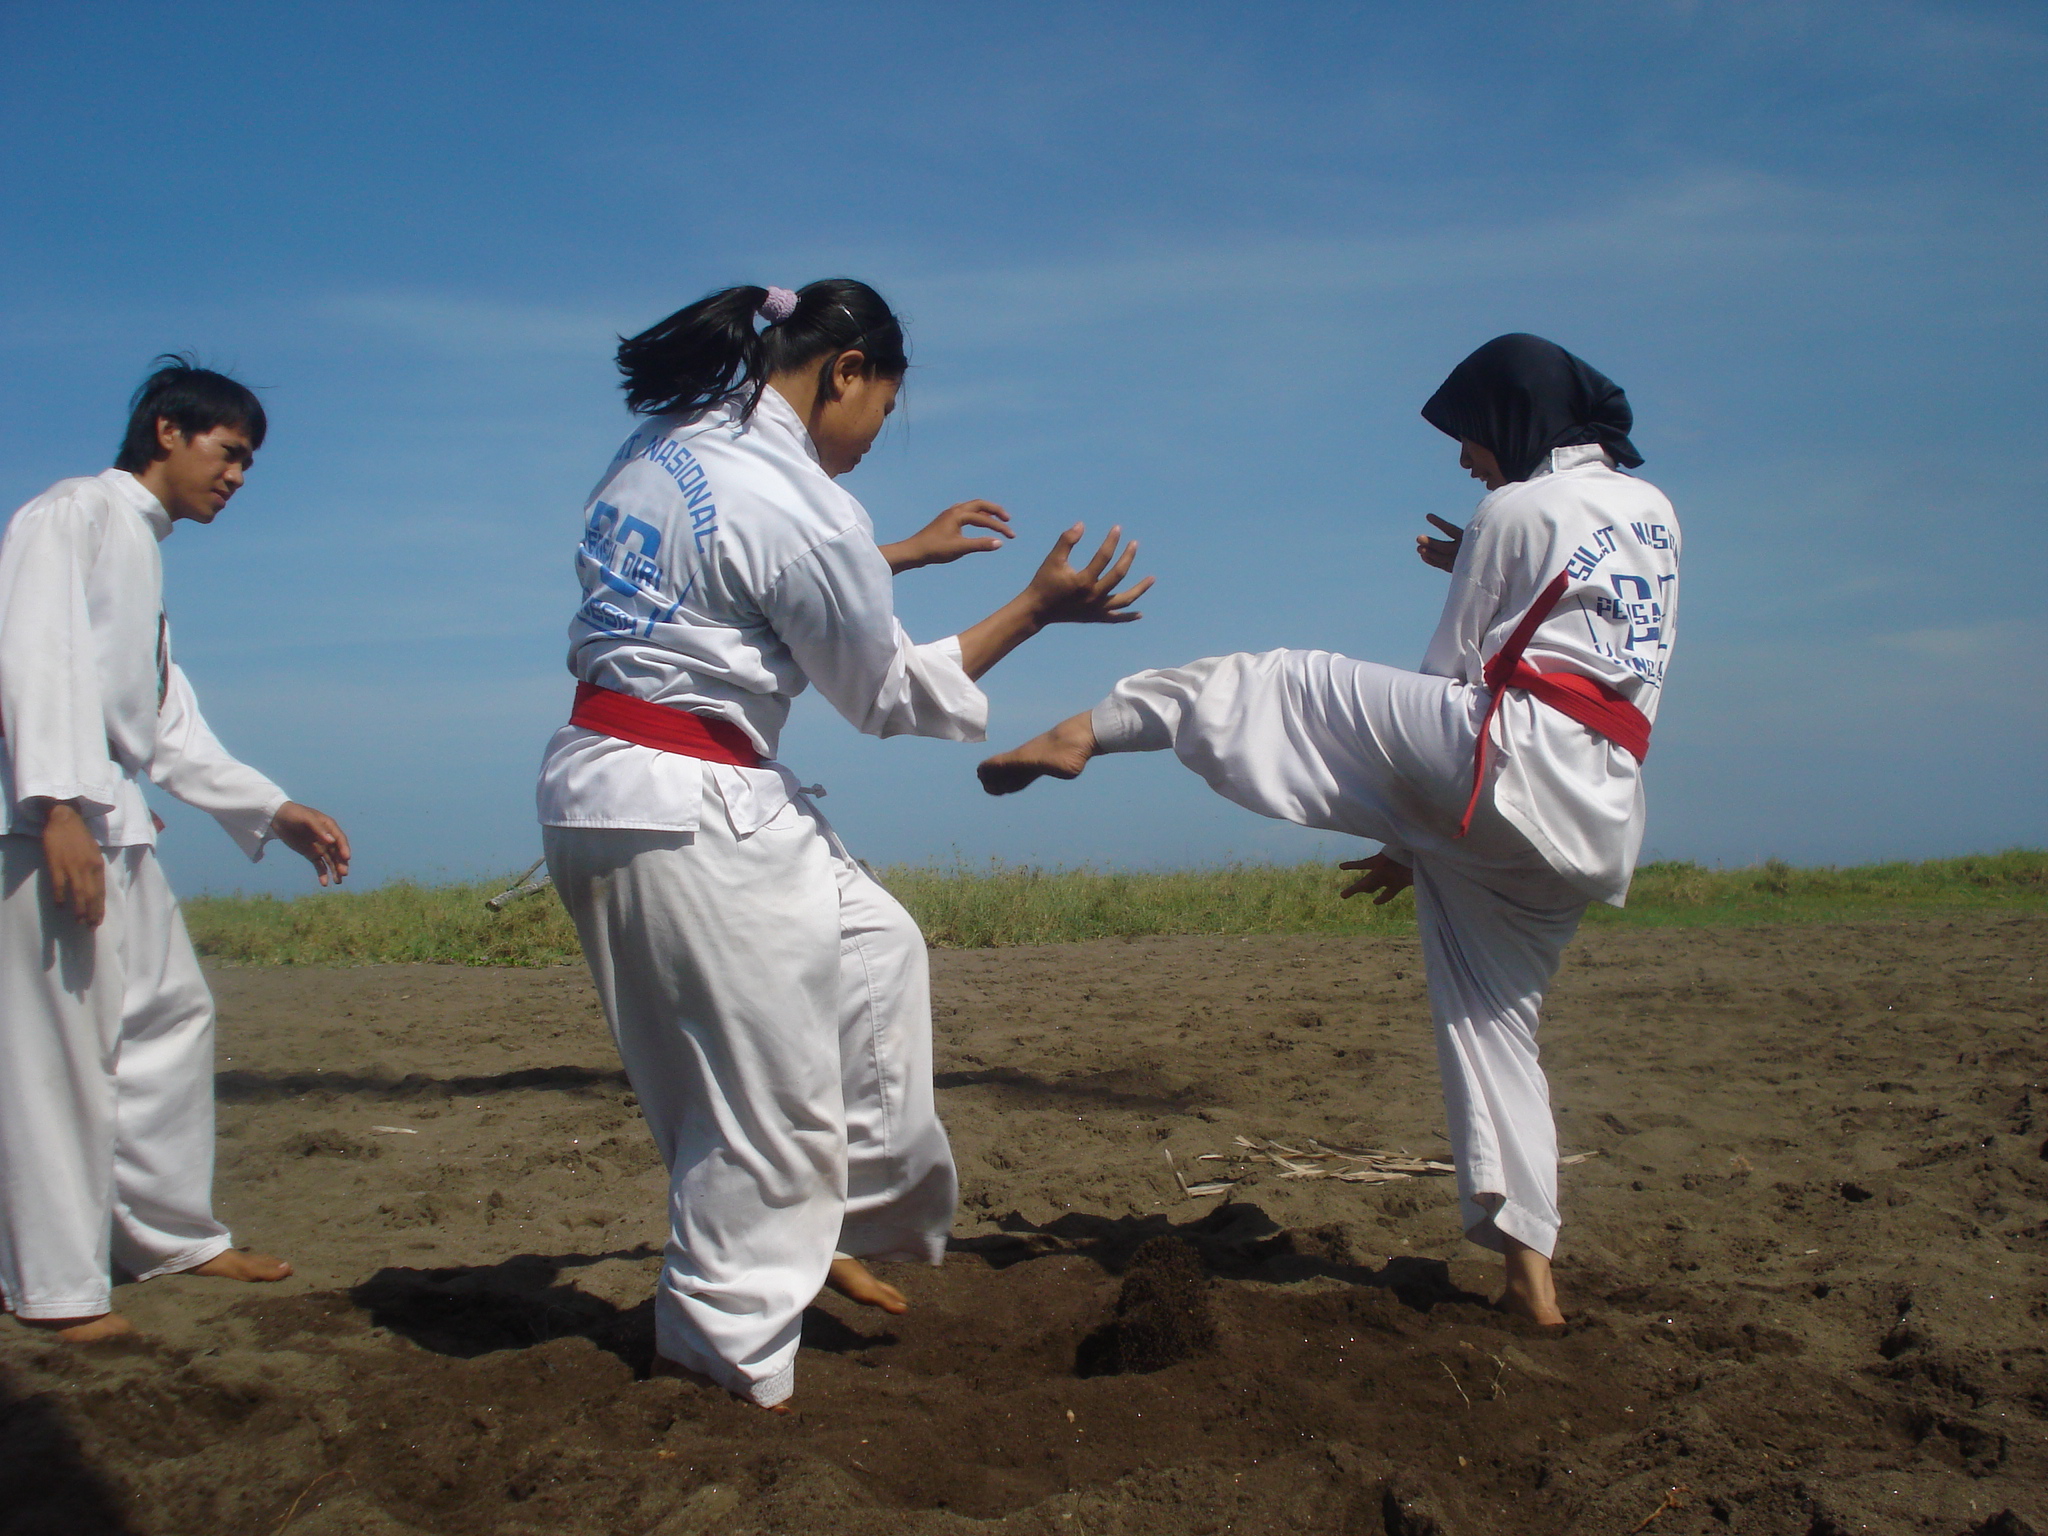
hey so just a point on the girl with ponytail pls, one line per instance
(769, 999)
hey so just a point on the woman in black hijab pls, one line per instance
(1520, 396)
(1509, 404)
(1503, 778)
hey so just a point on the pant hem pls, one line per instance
(1496, 1224)
(776, 1389)
(897, 1247)
(191, 1258)
(1527, 1229)
(47, 1311)
(765, 1393)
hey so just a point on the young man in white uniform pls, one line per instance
(1569, 568)
(106, 1024)
(769, 998)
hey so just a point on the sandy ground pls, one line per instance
(1808, 1270)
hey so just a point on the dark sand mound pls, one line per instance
(1808, 1271)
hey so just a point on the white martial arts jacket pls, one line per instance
(1575, 795)
(723, 571)
(90, 699)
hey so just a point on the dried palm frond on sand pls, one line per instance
(1317, 1160)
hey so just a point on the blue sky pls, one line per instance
(1188, 267)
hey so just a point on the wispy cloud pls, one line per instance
(1697, 227)
(1702, 224)
(1989, 642)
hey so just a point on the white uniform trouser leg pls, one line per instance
(771, 1006)
(106, 1089)
(901, 1187)
(1351, 746)
(1489, 956)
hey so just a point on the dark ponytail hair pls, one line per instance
(710, 351)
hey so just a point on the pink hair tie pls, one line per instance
(778, 306)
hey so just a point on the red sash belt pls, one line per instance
(611, 713)
(1587, 700)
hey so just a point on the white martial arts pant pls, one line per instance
(106, 1088)
(1350, 746)
(772, 1006)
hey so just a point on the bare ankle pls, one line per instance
(856, 1282)
(242, 1264)
(89, 1329)
(1076, 734)
(1531, 1290)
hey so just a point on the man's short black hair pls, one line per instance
(192, 399)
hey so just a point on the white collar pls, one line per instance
(776, 412)
(136, 495)
(1577, 456)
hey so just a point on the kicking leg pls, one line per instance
(1309, 737)
(1061, 752)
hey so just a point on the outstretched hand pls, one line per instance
(314, 836)
(1441, 553)
(1058, 594)
(1063, 595)
(1379, 874)
(945, 539)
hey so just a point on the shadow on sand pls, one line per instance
(472, 1310)
(47, 1487)
(1235, 1241)
(529, 1299)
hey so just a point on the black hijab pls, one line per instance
(1520, 396)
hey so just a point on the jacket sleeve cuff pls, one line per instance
(251, 828)
(1120, 726)
(92, 799)
(946, 702)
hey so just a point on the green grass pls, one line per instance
(1676, 892)
(964, 907)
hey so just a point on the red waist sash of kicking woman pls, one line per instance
(1587, 700)
(611, 713)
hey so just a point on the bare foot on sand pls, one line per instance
(1531, 1292)
(1061, 752)
(676, 1371)
(856, 1282)
(82, 1330)
(241, 1264)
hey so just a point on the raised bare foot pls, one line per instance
(1061, 752)
(856, 1282)
(241, 1264)
(82, 1330)
(675, 1370)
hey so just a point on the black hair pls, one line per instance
(710, 352)
(192, 399)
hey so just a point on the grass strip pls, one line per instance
(972, 907)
